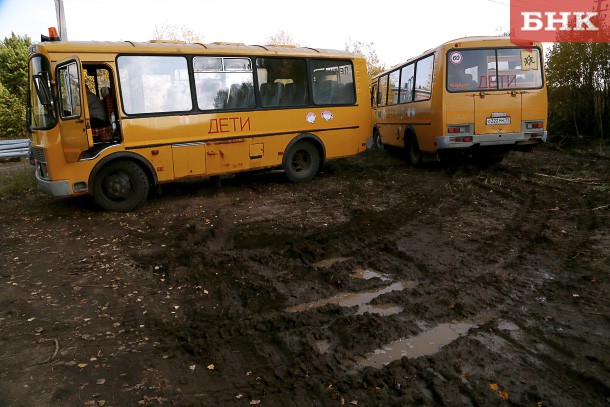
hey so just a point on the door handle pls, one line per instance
(79, 121)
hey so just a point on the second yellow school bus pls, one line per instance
(113, 119)
(476, 96)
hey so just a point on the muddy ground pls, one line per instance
(375, 284)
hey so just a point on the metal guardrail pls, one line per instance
(14, 148)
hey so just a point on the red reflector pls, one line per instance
(454, 129)
(467, 139)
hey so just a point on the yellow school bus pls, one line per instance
(478, 97)
(113, 119)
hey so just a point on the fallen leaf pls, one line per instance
(239, 396)
(255, 402)
(192, 367)
(81, 365)
(493, 386)
(101, 381)
(210, 367)
(503, 395)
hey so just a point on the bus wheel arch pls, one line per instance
(303, 158)
(414, 154)
(120, 183)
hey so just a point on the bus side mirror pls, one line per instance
(42, 90)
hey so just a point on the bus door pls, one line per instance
(498, 105)
(75, 131)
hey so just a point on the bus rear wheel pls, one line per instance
(302, 162)
(121, 186)
(413, 152)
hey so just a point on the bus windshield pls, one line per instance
(41, 114)
(493, 69)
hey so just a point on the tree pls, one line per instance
(281, 38)
(366, 49)
(578, 77)
(13, 85)
(173, 32)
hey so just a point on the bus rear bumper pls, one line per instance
(54, 188)
(508, 140)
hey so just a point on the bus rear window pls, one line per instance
(493, 69)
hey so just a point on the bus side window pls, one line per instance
(373, 93)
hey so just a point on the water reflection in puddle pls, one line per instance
(426, 343)
(380, 309)
(359, 299)
(364, 274)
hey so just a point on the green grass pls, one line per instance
(19, 179)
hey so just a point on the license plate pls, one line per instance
(497, 120)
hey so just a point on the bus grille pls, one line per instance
(39, 155)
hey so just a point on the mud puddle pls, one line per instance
(360, 300)
(424, 344)
(428, 342)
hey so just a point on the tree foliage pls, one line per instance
(373, 66)
(281, 38)
(13, 85)
(173, 32)
(578, 76)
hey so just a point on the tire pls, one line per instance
(377, 144)
(413, 152)
(301, 162)
(121, 186)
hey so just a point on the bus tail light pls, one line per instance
(453, 130)
(534, 125)
(459, 129)
(466, 139)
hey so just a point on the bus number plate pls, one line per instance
(497, 120)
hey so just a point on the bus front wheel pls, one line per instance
(302, 162)
(121, 186)
(377, 143)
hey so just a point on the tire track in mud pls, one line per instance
(264, 265)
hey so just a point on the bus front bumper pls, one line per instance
(489, 140)
(54, 188)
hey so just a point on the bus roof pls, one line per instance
(178, 47)
(465, 42)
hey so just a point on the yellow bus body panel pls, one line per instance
(196, 144)
(429, 120)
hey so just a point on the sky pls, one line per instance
(398, 30)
